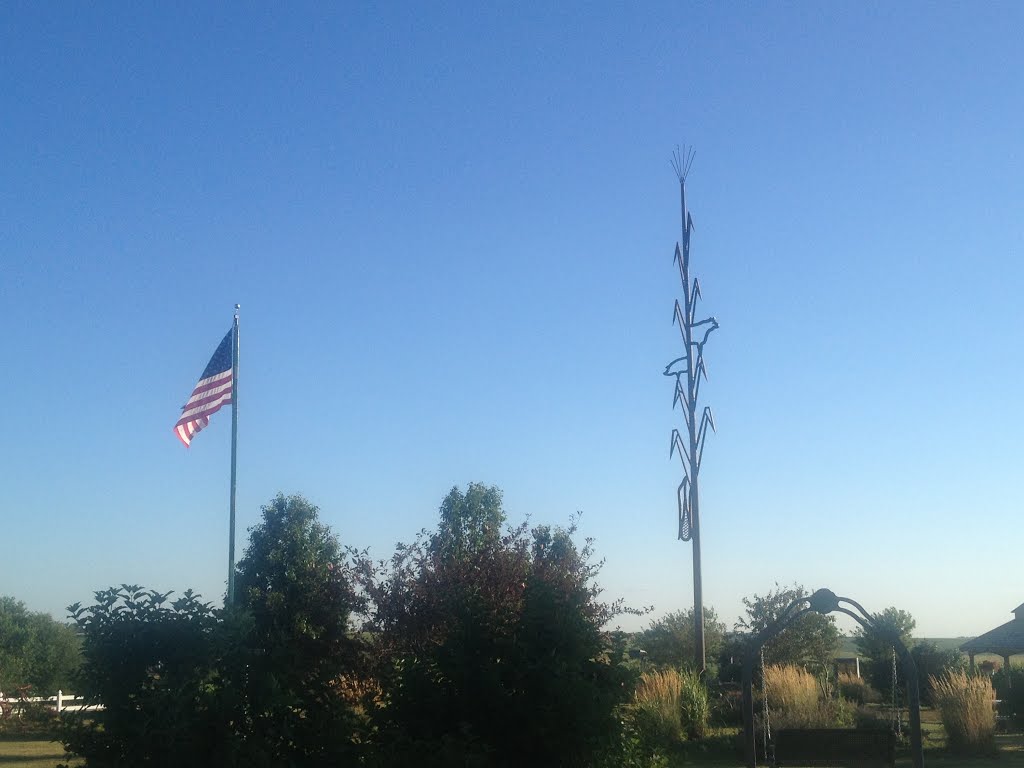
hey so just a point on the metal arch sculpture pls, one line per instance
(825, 601)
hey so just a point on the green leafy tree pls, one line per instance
(876, 645)
(35, 650)
(469, 521)
(294, 582)
(491, 646)
(669, 641)
(877, 642)
(812, 638)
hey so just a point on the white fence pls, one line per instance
(62, 702)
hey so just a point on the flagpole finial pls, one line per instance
(237, 307)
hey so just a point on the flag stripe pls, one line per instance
(208, 408)
(205, 385)
(213, 391)
(201, 399)
(207, 395)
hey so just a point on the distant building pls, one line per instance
(1006, 640)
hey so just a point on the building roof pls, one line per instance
(1005, 640)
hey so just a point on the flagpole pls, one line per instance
(234, 456)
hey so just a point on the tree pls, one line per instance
(888, 625)
(35, 650)
(669, 641)
(813, 637)
(877, 644)
(468, 521)
(932, 662)
(295, 583)
(258, 684)
(491, 646)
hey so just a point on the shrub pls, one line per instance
(727, 705)
(871, 718)
(1009, 685)
(931, 661)
(633, 749)
(490, 645)
(272, 681)
(150, 663)
(24, 719)
(856, 689)
(965, 705)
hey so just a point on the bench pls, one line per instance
(833, 747)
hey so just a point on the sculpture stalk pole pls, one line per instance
(690, 451)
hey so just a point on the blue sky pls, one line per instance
(450, 229)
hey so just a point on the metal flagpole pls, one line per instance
(234, 457)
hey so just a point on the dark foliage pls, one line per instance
(1009, 686)
(876, 646)
(261, 684)
(669, 641)
(491, 645)
(480, 648)
(931, 661)
(21, 718)
(813, 637)
(151, 663)
(293, 584)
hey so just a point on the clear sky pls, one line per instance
(450, 228)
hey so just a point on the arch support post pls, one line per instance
(749, 740)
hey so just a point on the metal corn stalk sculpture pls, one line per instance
(689, 370)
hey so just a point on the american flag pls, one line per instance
(213, 390)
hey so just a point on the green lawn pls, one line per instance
(721, 749)
(718, 750)
(32, 754)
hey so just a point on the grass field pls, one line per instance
(719, 750)
(32, 753)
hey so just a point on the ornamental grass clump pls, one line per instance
(857, 690)
(792, 697)
(657, 707)
(670, 705)
(965, 705)
(695, 705)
